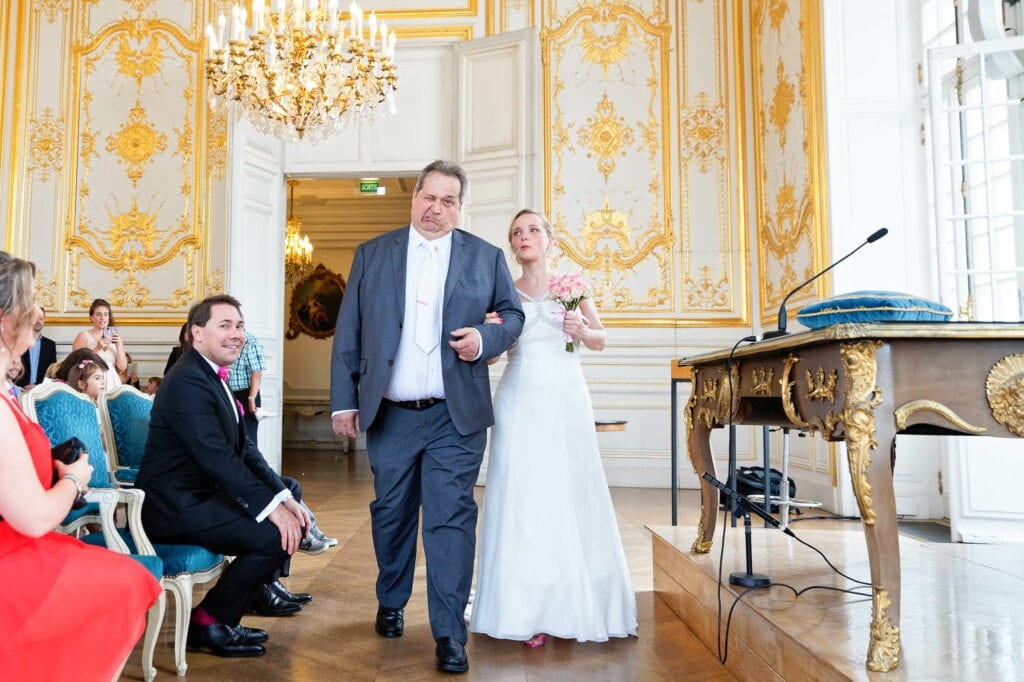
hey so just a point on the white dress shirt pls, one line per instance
(417, 374)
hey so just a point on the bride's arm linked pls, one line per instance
(494, 318)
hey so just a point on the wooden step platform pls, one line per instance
(961, 605)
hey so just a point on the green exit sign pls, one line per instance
(368, 186)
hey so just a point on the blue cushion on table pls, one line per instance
(872, 306)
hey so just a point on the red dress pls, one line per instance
(68, 611)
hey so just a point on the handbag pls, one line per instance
(68, 452)
(750, 481)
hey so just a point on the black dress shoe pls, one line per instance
(451, 656)
(294, 597)
(266, 603)
(390, 622)
(252, 635)
(221, 640)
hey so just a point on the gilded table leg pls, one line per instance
(698, 449)
(869, 444)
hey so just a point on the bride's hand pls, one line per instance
(573, 325)
(493, 318)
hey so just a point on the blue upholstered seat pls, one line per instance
(153, 564)
(171, 560)
(64, 413)
(124, 413)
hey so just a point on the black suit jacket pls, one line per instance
(47, 356)
(199, 470)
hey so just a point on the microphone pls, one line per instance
(745, 503)
(781, 331)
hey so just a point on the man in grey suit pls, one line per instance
(409, 366)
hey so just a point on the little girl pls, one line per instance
(89, 378)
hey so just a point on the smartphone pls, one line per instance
(106, 332)
(132, 368)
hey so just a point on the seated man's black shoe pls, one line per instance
(252, 635)
(266, 603)
(294, 597)
(451, 656)
(390, 622)
(221, 640)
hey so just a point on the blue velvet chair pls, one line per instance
(124, 416)
(131, 539)
(63, 413)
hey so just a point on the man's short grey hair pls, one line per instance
(449, 168)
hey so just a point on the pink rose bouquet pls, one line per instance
(569, 289)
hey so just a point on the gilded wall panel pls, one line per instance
(122, 170)
(640, 117)
(713, 259)
(607, 150)
(788, 148)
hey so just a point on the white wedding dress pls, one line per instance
(550, 558)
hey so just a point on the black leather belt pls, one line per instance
(421, 404)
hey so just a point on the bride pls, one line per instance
(550, 560)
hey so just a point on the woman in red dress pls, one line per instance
(67, 610)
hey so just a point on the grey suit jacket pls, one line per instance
(370, 324)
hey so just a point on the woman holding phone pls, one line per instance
(102, 338)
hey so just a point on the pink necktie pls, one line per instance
(222, 373)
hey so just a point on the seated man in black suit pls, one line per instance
(207, 484)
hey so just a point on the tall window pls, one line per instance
(976, 115)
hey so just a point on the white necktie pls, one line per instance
(428, 334)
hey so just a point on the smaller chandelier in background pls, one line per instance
(298, 73)
(298, 251)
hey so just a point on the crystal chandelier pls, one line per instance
(297, 73)
(298, 251)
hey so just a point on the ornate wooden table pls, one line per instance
(863, 384)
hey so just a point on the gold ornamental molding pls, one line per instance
(884, 646)
(712, 396)
(45, 144)
(135, 142)
(903, 412)
(788, 387)
(761, 380)
(1004, 389)
(821, 385)
(860, 373)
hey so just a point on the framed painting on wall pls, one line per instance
(316, 301)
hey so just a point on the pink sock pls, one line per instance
(201, 617)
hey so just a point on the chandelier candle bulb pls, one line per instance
(211, 42)
(332, 10)
(373, 28)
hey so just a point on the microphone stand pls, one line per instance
(741, 504)
(749, 578)
(783, 317)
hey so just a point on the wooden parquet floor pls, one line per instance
(333, 637)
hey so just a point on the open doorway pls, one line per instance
(336, 214)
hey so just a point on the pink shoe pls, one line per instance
(536, 642)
